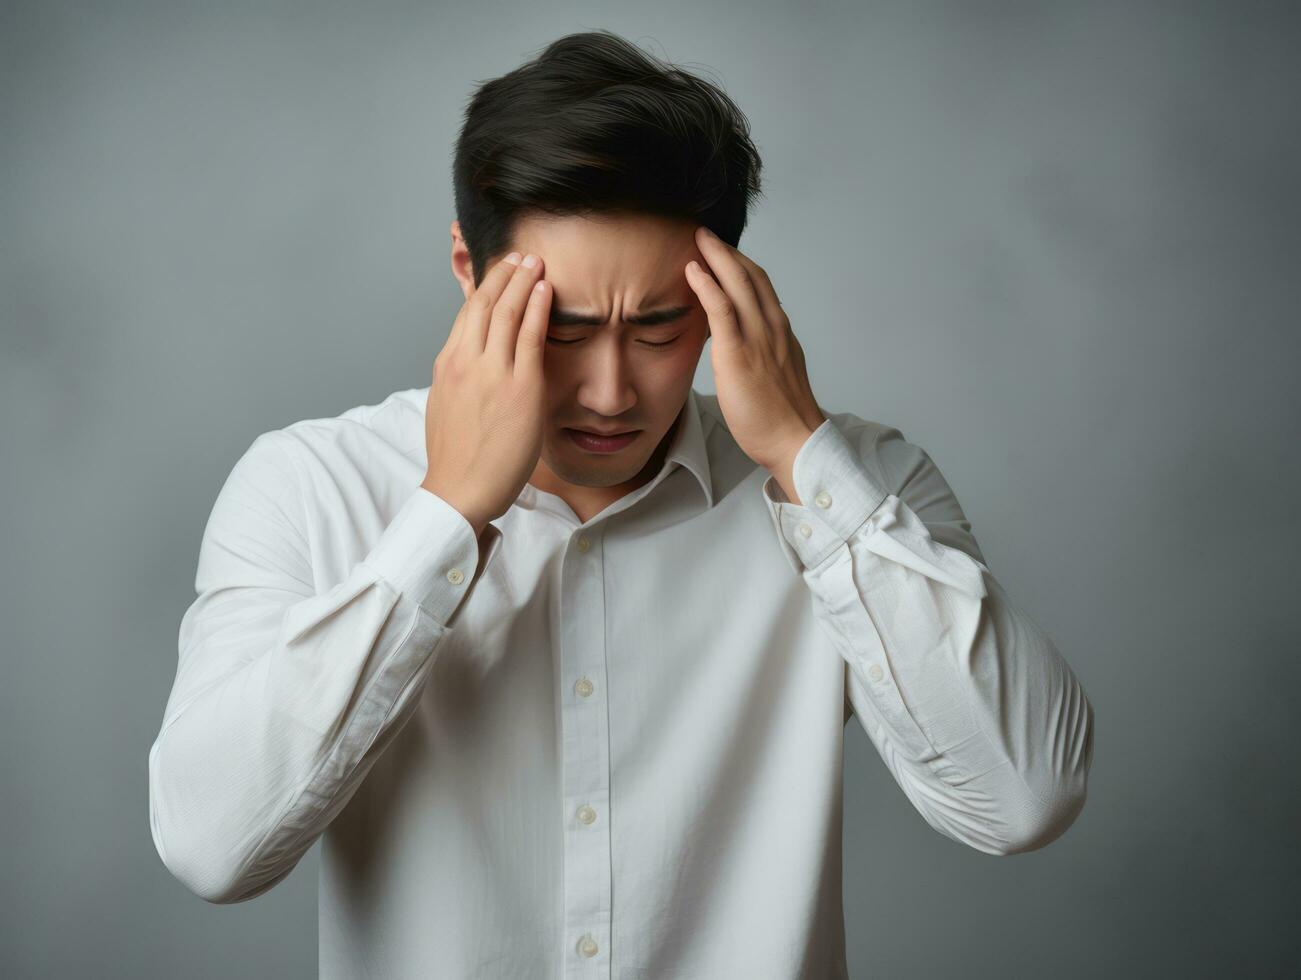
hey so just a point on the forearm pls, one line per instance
(283, 698)
(976, 713)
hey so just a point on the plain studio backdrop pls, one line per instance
(1057, 244)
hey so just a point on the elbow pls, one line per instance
(209, 881)
(201, 869)
(191, 851)
(1045, 819)
(1043, 824)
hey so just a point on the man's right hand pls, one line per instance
(484, 418)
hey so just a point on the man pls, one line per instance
(554, 656)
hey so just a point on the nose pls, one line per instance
(606, 389)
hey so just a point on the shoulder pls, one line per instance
(900, 466)
(280, 462)
(892, 458)
(397, 421)
(907, 470)
(881, 447)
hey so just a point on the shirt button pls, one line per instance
(823, 499)
(584, 544)
(805, 530)
(587, 946)
(875, 672)
(456, 576)
(586, 813)
(583, 686)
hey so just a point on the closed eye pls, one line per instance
(648, 343)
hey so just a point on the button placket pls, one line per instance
(585, 749)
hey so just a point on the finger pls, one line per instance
(479, 308)
(531, 345)
(463, 315)
(735, 281)
(769, 301)
(723, 326)
(779, 324)
(504, 325)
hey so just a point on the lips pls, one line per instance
(605, 435)
(600, 443)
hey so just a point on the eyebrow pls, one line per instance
(651, 318)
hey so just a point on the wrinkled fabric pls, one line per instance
(601, 749)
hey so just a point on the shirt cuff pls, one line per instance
(429, 553)
(839, 494)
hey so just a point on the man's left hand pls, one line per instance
(763, 387)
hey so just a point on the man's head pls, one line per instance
(603, 160)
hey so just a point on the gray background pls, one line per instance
(1056, 244)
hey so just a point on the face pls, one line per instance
(626, 333)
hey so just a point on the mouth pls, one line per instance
(596, 442)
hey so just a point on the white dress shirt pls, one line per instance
(604, 749)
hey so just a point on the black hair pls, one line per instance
(594, 125)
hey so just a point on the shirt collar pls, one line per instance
(688, 447)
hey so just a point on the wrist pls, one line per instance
(476, 521)
(786, 448)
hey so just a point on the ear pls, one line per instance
(462, 265)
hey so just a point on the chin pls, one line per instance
(588, 470)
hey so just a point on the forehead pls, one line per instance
(593, 261)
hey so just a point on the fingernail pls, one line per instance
(513, 258)
(530, 261)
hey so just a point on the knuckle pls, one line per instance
(452, 369)
(505, 312)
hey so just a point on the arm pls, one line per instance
(978, 717)
(283, 698)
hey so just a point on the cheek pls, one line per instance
(693, 341)
(682, 361)
(559, 387)
(682, 357)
